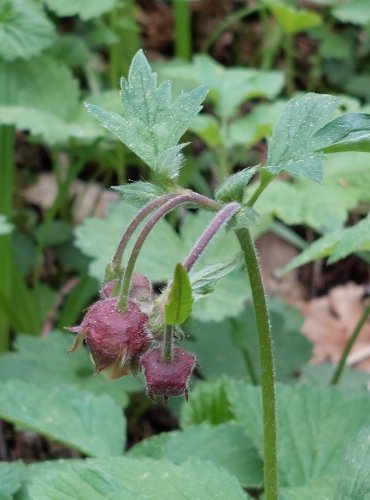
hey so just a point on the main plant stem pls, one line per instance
(267, 362)
(348, 347)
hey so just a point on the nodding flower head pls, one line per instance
(168, 378)
(116, 339)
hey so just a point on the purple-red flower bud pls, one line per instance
(168, 378)
(116, 339)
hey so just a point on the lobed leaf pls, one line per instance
(224, 445)
(92, 424)
(25, 31)
(128, 478)
(292, 146)
(150, 124)
(315, 427)
(45, 362)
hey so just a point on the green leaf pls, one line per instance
(322, 207)
(150, 125)
(322, 489)
(208, 129)
(315, 427)
(320, 375)
(92, 424)
(232, 189)
(180, 299)
(126, 479)
(226, 358)
(45, 362)
(204, 281)
(354, 239)
(292, 20)
(24, 29)
(229, 88)
(11, 476)
(354, 477)
(336, 245)
(254, 126)
(5, 227)
(71, 50)
(292, 349)
(292, 143)
(319, 249)
(82, 8)
(225, 445)
(47, 101)
(355, 11)
(349, 132)
(208, 403)
(139, 193)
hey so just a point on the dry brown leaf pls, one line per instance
(89, 198)
(330, 320)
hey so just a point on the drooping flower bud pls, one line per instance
(168, 378)
(116, 339)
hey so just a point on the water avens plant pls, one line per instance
(132, 329)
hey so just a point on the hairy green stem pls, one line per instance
(266, 360)
(266, 178)
(181, 199)
(215, 225)
(348, 347)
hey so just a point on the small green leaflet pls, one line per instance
(349, 132)
(180, 299)
(292, 146)
(139, 193)
(232, 189)
(204, 281)
(24, 29)
(150, 124)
